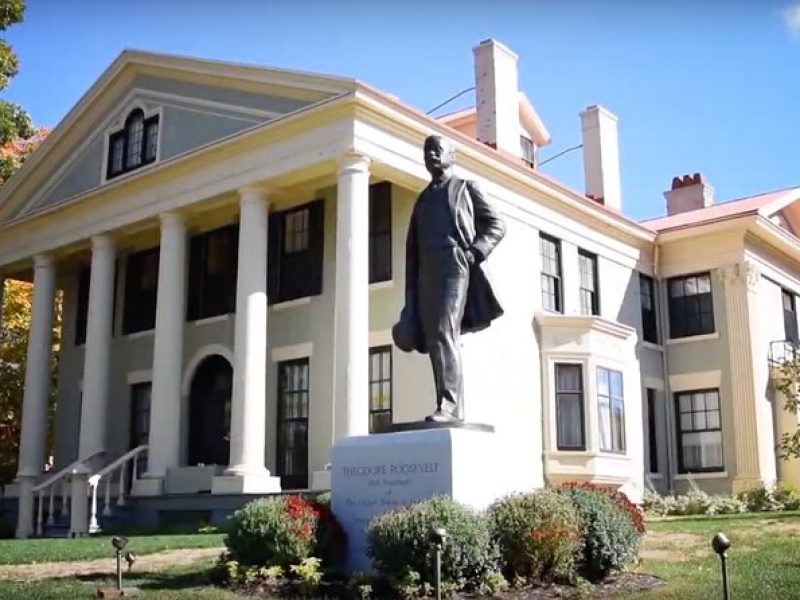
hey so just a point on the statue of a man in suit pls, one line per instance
(452, 232)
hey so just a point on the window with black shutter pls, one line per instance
(647, 298)
(380, 388)
(133, 146)
(550, 250)
(588, 292)
(141, 288)
(652, 438)
(789, 315)
(296, 242)
(293, 411)
(380, 232)
(691, 306)
(213, 260)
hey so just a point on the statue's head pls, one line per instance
(439, 154)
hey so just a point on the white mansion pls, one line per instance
(229, 241)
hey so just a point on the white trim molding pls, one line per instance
(291, 303)
(197, 358)
(695, 381)
(382, 337)
(140, 376)
(282, 353)
(704, 337)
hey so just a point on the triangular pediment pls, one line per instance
(194, 102)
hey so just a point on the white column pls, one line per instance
(97, 356)
(247, 473)
(37, 388)
(165, 399)
(351, 318)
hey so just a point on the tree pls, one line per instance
(788, 384)
(18, 140)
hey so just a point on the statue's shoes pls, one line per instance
(441, 417)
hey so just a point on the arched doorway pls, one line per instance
(210, 412)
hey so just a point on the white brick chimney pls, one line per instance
(689, 192)
(497, 96)
(601, 156)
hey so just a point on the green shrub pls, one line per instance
(725, 505)
(787, 496)
(767, 498)
(398, 542)
(609, 537)
(620, 499)
(272, 531)
(538, 535)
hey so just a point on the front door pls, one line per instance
(210, 412)
(293, 388)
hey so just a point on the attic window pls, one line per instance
(134, 145)
(528, 151)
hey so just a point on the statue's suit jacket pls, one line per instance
(478, 227)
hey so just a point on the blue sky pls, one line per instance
(711, 86)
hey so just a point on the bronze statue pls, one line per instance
(451, 233)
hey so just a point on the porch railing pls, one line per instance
(48, 487)
(106, 476)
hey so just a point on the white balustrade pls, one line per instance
(106, 476)
(51, 507)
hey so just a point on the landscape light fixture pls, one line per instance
(720, 544)
(438, 536)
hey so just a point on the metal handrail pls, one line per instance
(66, 471)
(783, 351)
(94, 483)
(115, 465)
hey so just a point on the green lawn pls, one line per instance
(183, 583)
(20, 552)
(764, 559)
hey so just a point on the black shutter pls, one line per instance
(196, 272)
(380, 232)
(84, 275)
(274, 257)
(316, 243)
(232, 268)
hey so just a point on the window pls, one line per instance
(140, 421)
(610, 410)
(569, 407)
(82, 312)
(213, 258)
(133, 146)
(141, 288)
(296, 240)
(550, 250)
(293, 388)
(652, 439)
(380, 232)
(589, 298)
(528, 151)
(380, 388)
(691, 309)
(699, 431)
(789, 315)
(648, 300)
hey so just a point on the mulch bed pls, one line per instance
(608, 589)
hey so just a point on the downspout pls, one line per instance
(662, 324)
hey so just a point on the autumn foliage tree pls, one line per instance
(19, 138)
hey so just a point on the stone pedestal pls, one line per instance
(376, 473)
